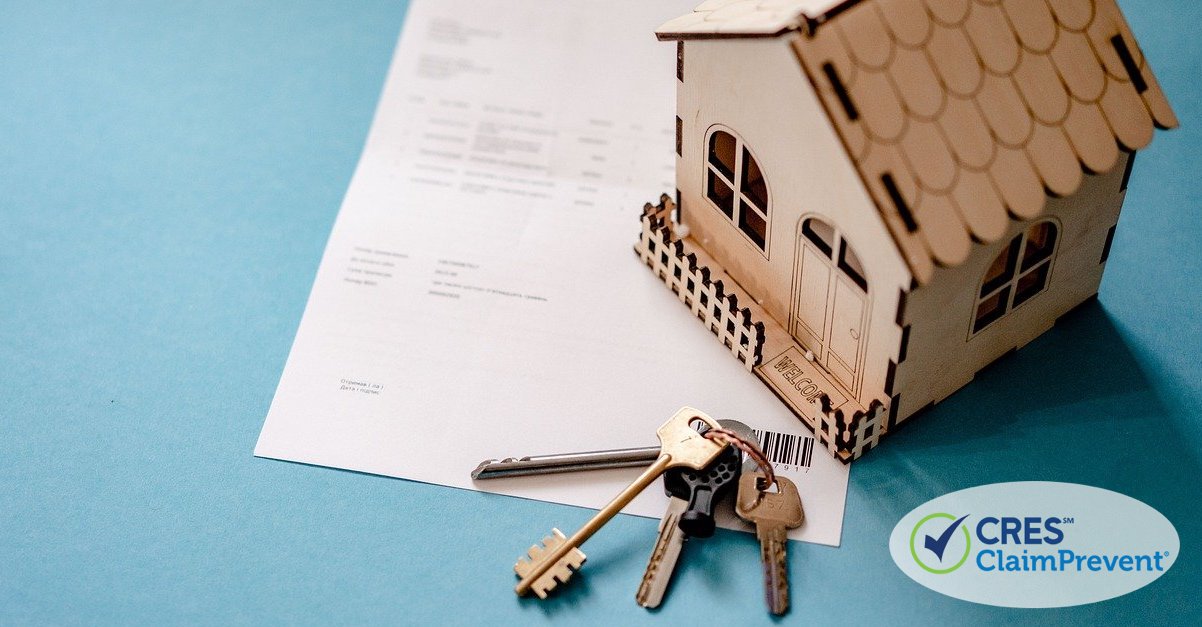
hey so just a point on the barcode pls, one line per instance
(783, 448)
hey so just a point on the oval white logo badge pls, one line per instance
(1034, 544)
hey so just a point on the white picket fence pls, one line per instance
(708, 300)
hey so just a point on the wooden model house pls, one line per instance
(877, 198)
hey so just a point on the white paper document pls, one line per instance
(479, 296)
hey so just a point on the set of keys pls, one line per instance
(701, 463)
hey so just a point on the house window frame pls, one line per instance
(710, 170)
(1014, 274)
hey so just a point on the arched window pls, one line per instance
(736, 186)
(1018, 273)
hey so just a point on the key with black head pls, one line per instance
(692, 496)
(703, 489)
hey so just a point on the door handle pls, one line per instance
(855, 335)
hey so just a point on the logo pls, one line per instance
(937, 544)
(1034, 544)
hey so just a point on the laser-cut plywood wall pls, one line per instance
(957, 120)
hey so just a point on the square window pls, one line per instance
(721, 194)
(991, 309)
(753, 224)
(1031, 284)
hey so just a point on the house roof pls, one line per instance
(742, 18)
(960, 114)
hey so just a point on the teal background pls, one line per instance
(169, 173)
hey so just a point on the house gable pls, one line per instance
(755, 90)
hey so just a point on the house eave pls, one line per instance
(677, 36)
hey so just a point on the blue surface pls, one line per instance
(168, 177)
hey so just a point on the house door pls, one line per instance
(830, 300)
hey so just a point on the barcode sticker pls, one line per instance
(787, 449)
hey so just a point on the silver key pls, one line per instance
(668, 545)
(693, 495)
(774, 514)
(566, 462)
(589, 460)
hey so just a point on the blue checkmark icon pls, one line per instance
(937, 545)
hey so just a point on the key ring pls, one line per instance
(726, 436)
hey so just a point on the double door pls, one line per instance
(830, 301)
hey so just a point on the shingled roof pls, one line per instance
(962, 113)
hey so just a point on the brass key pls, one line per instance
(773, 514)
(680, 446)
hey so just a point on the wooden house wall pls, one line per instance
(942, 353)
(756, 88)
